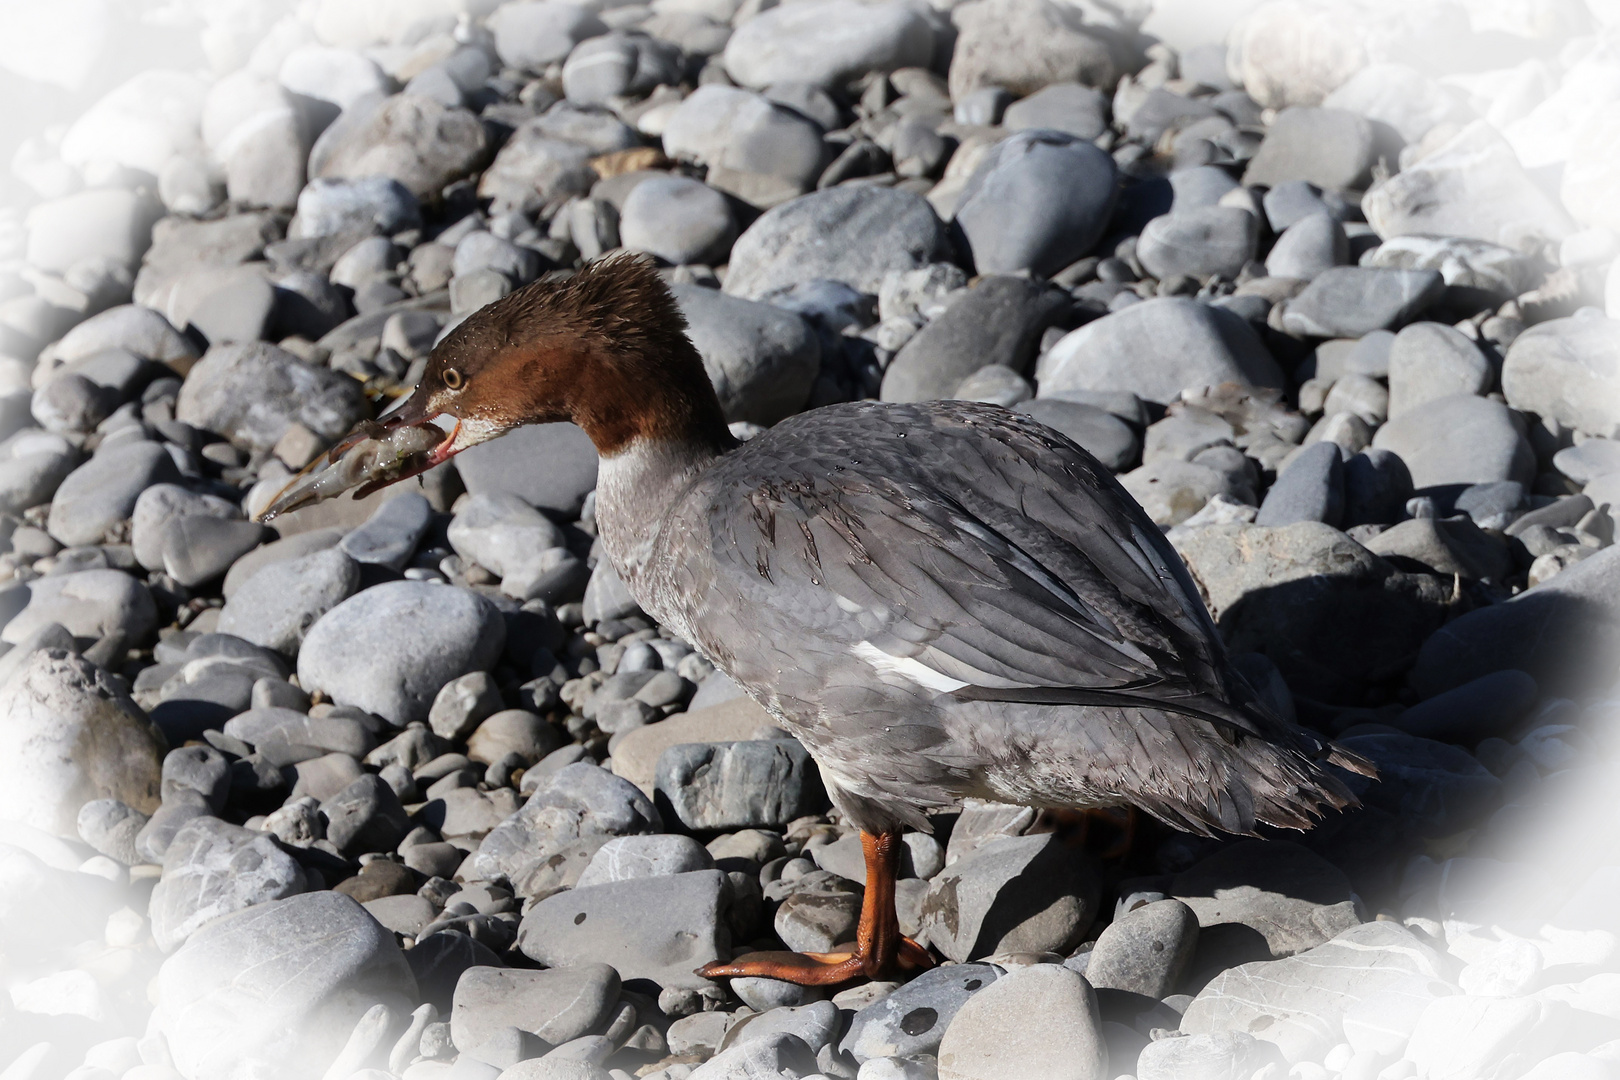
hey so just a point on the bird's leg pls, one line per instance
(880, 949)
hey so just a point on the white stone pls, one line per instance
(340, 76)
(140, 124)
(1295, 52)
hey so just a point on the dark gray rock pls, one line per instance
(1329, 613)
(741, 785)
(913, 1019)
(1377, 485)
(557, 1006)
(1445, 547)
(1019, 894)
(1293, 898)
(1204, 242)
(762, 360)
(999, 320)
(1038, 201)
(1311, 488)
(1071, 108)
(660, 929)
(389, 537)
(679, 220)
(576, 803)
(277, 605)
(1555, 632)
(1479, 709)
(212, 869)
(1146, 950)
(1156, 349)
(104, 490)
(1349, 301)
(365, 816)
(552, 467)
(438, 961)
(850, 234)
(311, 964)
(1461, 440)
(389, 649)
(1433, 787)
(252, 393)
(1105, 436)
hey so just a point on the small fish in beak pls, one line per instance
(372, 456)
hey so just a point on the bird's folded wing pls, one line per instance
(1015, 579)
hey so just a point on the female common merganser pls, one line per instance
(940, 600)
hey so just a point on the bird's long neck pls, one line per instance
(656, 424)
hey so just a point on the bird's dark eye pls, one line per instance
(452, 378)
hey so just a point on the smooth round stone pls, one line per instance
(1565, 370)
(513, 731)
(1037, 1021)
(1586, 461)
(389, 537)
(912, 1020)
(88, 603)
(1460, 439)
(1200, 187)
(1331, 148)
(998, 321)
(278, 604)
(762, 994)
(740, 135)
(534, 33)
(1077, 110)
(104, 490)
(616, 65)
(1157, 348)
(252, 393)
(679, 220)
(389, 649)
(853, 235)
(159, 507)
(1038, 201)
(1311, 488)
(761, 359)
(1430, 360)
(140, 330)
(828, 43)
(198, 549)
(1377, 485)
(626, 857)
(1214, 1056)
(1485, 707)
(1351, 301)
(34, 469)
(1105, 436)
(995, 384)
(535, 169)
(1308, 247)
(816, 1023)
(552, 467)
(1145, 951)
(1210, 241)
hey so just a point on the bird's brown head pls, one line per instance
(605, 347)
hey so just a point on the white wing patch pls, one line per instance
(907, 668)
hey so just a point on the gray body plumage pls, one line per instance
(945, 600)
